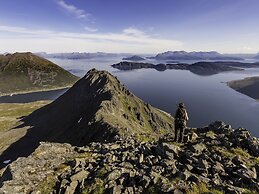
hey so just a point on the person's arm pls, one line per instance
(186, 114)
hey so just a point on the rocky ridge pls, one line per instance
(214, 159)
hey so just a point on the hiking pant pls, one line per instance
(179, 132)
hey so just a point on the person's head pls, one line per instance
(181, 105)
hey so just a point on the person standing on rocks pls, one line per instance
(181, 118)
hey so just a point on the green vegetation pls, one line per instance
(202, 188)
(231, 153)
(247, 191)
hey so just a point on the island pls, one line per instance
(133, 58)
(199, 68)
(248, 86)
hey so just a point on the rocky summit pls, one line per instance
(215, 159)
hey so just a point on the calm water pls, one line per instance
(207, 98)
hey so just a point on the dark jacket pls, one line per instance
(181, 116)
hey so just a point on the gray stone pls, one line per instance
(198, 148)
(114, 175)
(145, 181)
(177, 191)
(79, 176)
(141, 158)
(71, 188)
(117, 189)
(171, 148)
(185, 174)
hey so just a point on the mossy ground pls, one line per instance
(202, 188)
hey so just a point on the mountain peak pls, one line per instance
(97, 108)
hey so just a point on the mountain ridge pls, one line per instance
(25, 72)
(97, 108)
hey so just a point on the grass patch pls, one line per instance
(202, 188)
(247, 191)
(249, 160)
(10, 113)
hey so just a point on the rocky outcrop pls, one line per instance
(214, 159)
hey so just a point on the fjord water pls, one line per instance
(207, 98)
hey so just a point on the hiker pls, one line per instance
(181, 118)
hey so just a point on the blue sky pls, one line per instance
(135, 26)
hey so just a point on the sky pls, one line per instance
(129, 26)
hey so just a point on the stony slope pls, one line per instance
(216, 159)
(97, 108)
(21, 72)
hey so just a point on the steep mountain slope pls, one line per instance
(97, 108)
(21, 72)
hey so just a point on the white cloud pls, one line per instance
(128, 40)
(133, 32)
(89, 29)
(79, 13)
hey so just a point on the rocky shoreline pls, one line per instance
(215, 159)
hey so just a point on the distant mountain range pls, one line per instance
(183, 55)
(169, 56)
(26, 72)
